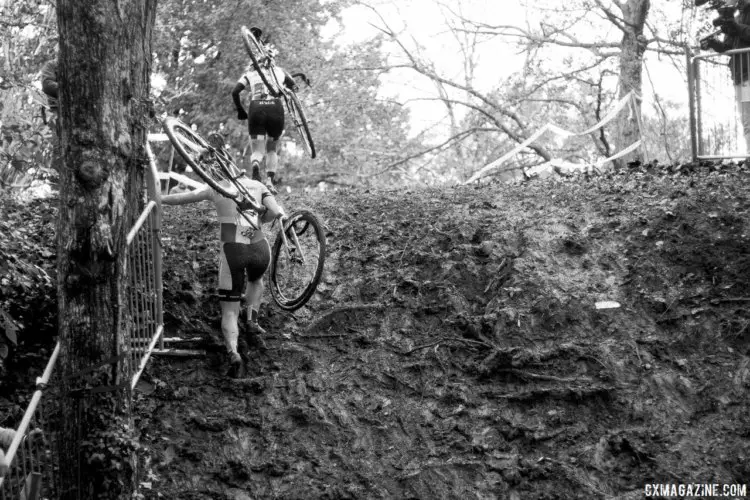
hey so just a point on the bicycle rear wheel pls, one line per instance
(258, 53)
(300, 123)
(296, 271)
(191, 145)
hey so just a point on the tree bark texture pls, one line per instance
(103, 71)
(633, 48)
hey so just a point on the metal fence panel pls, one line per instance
(29, 467)
(718, 84)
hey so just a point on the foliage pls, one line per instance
(200, 54)
(26, 142)
(111, 455)
(25, 150)
(27, 272)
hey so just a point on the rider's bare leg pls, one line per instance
(229, 312)
(253, 294)
(257, 151)
(272, 160)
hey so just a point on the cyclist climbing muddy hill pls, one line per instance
(265, 115)
(244, 257)
(298, 254)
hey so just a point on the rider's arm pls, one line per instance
(273, 210)
(200, 194)
(236, 96)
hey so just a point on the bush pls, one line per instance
(28, 305)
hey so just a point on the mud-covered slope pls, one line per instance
(455, 349)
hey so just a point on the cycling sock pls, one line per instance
(254, 315)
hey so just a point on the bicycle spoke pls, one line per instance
(212, 167)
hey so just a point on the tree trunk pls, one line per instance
(633, 47)
(104, 70)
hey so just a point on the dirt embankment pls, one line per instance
(455, 349)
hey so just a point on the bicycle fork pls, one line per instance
(291, 250)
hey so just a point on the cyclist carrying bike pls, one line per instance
(265, 117)
(244, 256)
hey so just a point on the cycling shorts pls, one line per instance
(240, 261)
(266, 117)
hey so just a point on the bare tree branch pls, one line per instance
(421, 68)
(454, 138)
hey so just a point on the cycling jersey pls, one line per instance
(234, 228)
(252, 82)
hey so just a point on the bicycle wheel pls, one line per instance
(300, 123)
(296, 271)
(191, 145)
(257, 54)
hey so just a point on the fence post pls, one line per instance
(696, 68)
(169, 171)
(691, 102)
(155, 194)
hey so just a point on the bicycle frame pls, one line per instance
(281, 89)
(285, 241)
(217, 169)
(245, 201)
(268, 64)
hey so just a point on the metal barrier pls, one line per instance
(143, 289)
(717, 83)
(28, 470)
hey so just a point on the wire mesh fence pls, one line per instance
(29, 458)
(719, 91)
(143, 287)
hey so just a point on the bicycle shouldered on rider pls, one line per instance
(264, 115)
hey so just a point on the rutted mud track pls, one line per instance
(455, 351)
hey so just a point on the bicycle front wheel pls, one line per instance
(191, 146)
(300, 123)
(297, 266)
(258, 53)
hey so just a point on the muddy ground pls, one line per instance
(455, 349)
